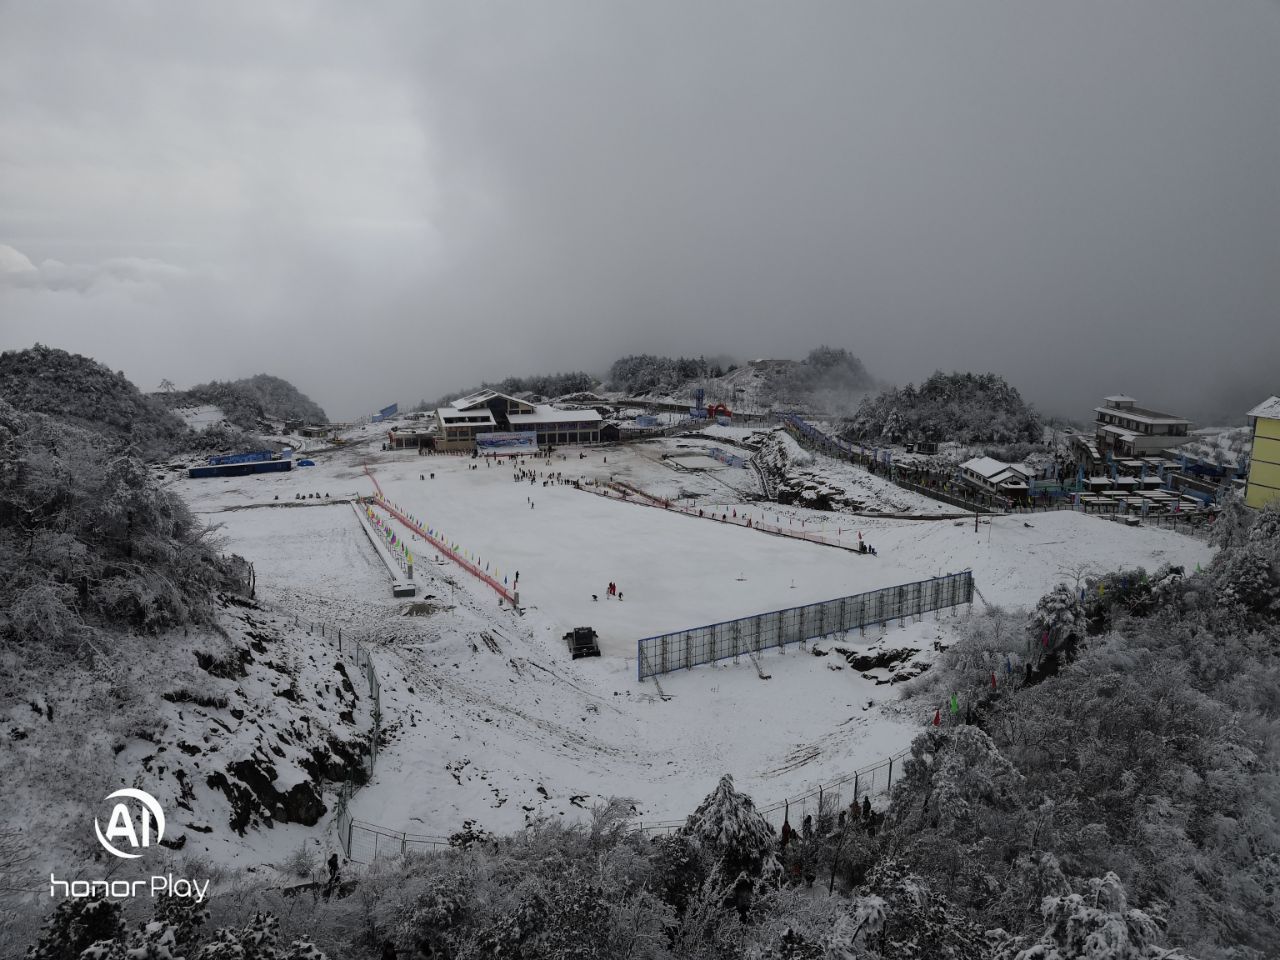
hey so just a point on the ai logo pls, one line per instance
(120, 826)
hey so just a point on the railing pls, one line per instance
(766, 481)
(873, 780)
(750, 635)
(633, 494)
(365, 842)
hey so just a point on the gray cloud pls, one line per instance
(17, 270)
(1084, 197)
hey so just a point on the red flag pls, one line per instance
(937, 718)
(993, 679)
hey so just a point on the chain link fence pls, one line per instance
(751, 635)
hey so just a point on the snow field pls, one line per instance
(673, 571)
(677, 571)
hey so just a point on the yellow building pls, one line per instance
(1264, 467)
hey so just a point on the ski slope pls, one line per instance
(489, 720)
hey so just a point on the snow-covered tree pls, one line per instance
(728, 826)
(1248, 578)
(1099, 925)
(1231, 526)
(76, 925)
(1059, 613)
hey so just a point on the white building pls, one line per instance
(991, 476)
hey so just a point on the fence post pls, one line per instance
(889, 787)
(350, 823)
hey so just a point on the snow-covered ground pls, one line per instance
(488, 718)
(201, 417)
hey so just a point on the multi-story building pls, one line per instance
(1127, 431)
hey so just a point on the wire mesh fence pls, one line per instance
(751, 635)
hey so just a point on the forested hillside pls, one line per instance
(960, 407)
(827, 378)
(281, 399)
(81, 391)
(645, 373)
(1130, 724)
(250, 402)
(549, 385)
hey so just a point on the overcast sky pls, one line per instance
(385, 201)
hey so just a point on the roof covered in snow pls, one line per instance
(1143, 414)
(1269, 408)
(993, 470)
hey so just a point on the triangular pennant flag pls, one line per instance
(937, 718)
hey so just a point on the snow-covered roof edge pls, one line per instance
(1269, 408)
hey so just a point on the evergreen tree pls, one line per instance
(728, 826)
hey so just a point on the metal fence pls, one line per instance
(873, 780)
(357, 837)
(364, 842)
(748, 635)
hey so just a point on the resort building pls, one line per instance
(1264, 463)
